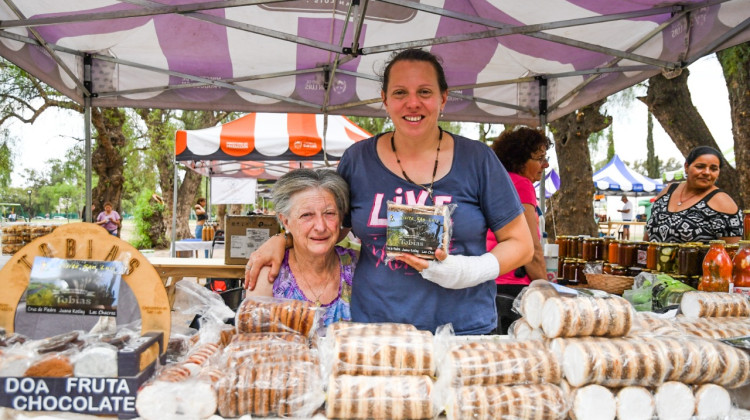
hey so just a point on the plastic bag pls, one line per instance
(418, 230)
(270, 314)
(193, 299)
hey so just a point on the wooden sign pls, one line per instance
(86, 241)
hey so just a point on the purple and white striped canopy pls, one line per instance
(616, 176)
(325, 56)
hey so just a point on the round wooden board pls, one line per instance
(86, 241)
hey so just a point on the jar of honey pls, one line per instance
(652, 255)
(627, 254)
(618, 270)
(605, 247)
(569, 271)
(614, 251)
(588, 249)
(562, 247)
(580, 275)
(607, 268)
(717, 269)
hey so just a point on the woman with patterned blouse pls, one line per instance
(311, 204)
(695, 210)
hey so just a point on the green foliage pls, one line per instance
(373, 125)
(610, 143)
(652, 161)
(143, 213)
(734, 61)
(6, 162)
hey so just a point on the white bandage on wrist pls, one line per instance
(460, 271)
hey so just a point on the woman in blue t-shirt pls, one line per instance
(420, 164)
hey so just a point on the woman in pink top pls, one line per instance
(523, 152)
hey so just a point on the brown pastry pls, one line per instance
(51, 366)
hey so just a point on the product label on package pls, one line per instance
(79, 395)
(243, 246)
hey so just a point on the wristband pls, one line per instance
(460, 271)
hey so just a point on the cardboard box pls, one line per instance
(244, 234)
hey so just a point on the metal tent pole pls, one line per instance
(173, 251)
(543, 122)
(87, 134)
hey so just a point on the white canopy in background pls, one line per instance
(616, 176)
(551, 183)
(233, 190)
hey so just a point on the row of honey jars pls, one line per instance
(582, 247)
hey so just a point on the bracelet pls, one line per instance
(288, 242)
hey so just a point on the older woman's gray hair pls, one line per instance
(302, 179)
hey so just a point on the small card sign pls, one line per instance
(74, 287)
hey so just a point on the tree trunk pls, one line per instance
(107, 160)
(571, 210)
(670, 102)
(735, 63)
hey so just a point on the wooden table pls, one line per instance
(610, 227)
(172, 270)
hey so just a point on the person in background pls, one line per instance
(523, 153)
(12, 217)
(420, 164)
(310, 205)
(201, 217)
(83, 212)
(109, 219)
(695, 210)
(627, 216)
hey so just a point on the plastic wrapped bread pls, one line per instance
(291, 389)
(531, 300)
(521, 330)
(674, 401)
(635, 403)
(380, 397)
(508, 362)
(193, 398)
(506, 402)
(724, 327)
(392, 350)
(593, 402)
(714, 304)
(712, 402)
(565, 316)
(651, 361)
(267, 348)
(258, 314)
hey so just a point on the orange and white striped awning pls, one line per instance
(265, 145)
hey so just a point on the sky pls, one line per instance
(56, 131)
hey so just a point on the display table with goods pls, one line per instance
(173, 270)
(575, 353)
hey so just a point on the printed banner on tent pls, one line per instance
(233, 190)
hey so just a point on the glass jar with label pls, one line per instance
(641, 254)
(569, 271)
(741, 268)
(599, 249)
(606, 268)
(580, 246)
(688, 261)
(572, 247)
(627, 254)
(652, 255)
(746, 225)
(717, 269)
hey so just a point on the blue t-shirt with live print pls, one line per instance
(391, 291)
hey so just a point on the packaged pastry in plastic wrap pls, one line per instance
(651, 361)
(380, 397)
(563, 312)
(714, 304)
(194, 398)
(507, 402)
(418, 230)
(268, 348)
(494, 363)
(378, 349)
(271, 389)
(268, 314)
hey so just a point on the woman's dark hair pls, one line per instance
(416, 54)
(514, 147)
(703, 150)
(198, 201)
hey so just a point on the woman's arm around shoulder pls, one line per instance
(262, 288)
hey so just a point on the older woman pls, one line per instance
(311, 204)
(695, 210)
(523, 152)
(420, 164)
(109, 219)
